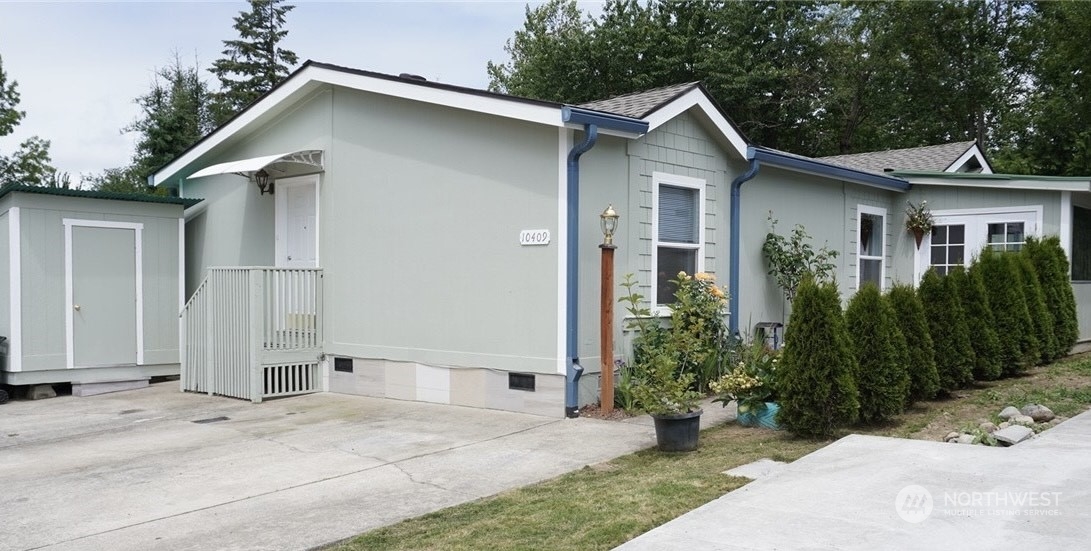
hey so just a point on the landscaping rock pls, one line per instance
(1038, 412)
(965, 439)
(1009, 412)
(1022, 420)
(951, 436)
(1004, 425)
(987, 427)
(1013, 435)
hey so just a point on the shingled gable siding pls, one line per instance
(681, 147)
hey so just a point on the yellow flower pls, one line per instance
(702, 276)
(717, 292)
(682, 275)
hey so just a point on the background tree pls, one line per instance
(921, 363)
(974, 301)
(881, 378)
(816, 388)
(30, 164)
(255, 62)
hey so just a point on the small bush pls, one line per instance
(979, 319)
(881, 378)
(921, 362)
(815, 382)
(1051, 264)
(1036, 305)
(1010, 315)
(947, 325)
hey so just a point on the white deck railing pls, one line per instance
(253, 333)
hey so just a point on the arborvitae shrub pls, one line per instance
(1051, 264)
(947, 325)
(881, 378)
(815, 385)
(1003, 285)
(909, 314)
(979, 320)
(1036, 305)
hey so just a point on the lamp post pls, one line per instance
(608, 219)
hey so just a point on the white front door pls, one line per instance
(297, 222)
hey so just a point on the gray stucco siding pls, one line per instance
(421, 209)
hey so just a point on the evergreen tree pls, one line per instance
(1051, 264)
(174, 114)
(255, 62)
(921, 364)
(881, 378)
(1018, 343)
(1041, 317)
(979, 318)
(815, 382)
(947, 325)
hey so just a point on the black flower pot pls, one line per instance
(677, 432)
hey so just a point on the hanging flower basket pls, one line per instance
(918, 220)
(918, 236)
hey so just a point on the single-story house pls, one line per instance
(93, 286)
(423, 241)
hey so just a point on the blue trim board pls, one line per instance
(780, 159)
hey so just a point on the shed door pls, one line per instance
(297, 222)
(103, 285)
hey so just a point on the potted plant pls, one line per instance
(751, 384)
(918, 220)
(672, 364)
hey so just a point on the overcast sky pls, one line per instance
(80, 64)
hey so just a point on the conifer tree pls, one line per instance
(1014, 328)
(1040, 316)
(1051, 264)
(979, 319)
(255, 62)
(881, 378)
(947, 325)
(921, 364)
(815, 384)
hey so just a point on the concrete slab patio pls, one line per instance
(866, 492)
(158, 469)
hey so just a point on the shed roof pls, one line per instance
(640, 104)
(932, 158)
(92, 194)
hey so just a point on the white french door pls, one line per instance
(958, 236)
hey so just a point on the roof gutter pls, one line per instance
(592, 121)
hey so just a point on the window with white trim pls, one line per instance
(871, 245)
(1007, 236)
(948, 247)
(678, 213)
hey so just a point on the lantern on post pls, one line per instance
(608, 220)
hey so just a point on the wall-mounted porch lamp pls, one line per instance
(608, 218)
(261, 178)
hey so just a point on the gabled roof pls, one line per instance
(92, 194)
(640, 104)
(949, 157)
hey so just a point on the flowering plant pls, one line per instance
(918, 218)
(751, 382)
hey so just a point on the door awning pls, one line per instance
(296, 163)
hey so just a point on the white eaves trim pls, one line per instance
(971, 153)
(542, 114)
(998, 183)
(697, 98)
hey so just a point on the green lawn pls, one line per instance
(602, 506)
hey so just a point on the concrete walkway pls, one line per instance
(158, 469)
(853, 494)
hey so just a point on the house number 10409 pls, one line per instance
(534, 237)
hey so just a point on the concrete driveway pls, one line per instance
(156, 468)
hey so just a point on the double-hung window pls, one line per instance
(871, 245)
(678, 214)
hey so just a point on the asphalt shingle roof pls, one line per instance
(934, 158)
(640, 104)
(92, 194)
